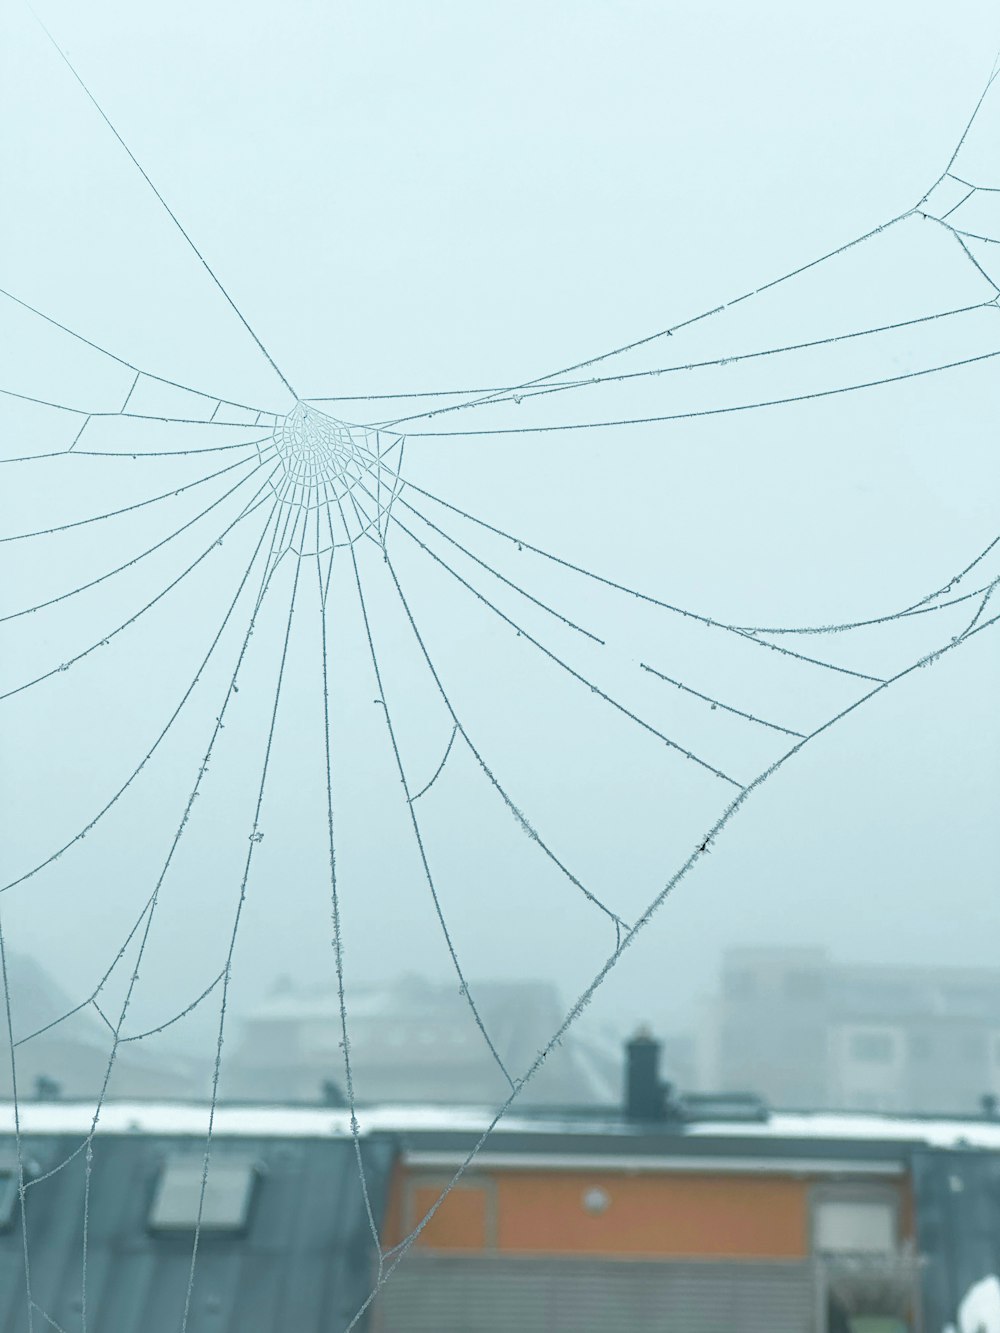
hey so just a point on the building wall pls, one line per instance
(622, 1250)
(615, 1213)
(804, 1031)
(606, 1213)
(411, 1041)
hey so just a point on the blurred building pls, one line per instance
(696, 1215)
(411, 1040)
(64, 1048)
(806, 1031)
(668, 1214)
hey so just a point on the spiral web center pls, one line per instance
(346, 477)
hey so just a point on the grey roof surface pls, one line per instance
(72, 1047)
(958, 1229)
(305, 1262)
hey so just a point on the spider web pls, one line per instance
(312, 531)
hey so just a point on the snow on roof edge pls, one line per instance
(184, 1119)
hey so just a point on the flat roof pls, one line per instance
(187, 1119)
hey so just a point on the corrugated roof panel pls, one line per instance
(958, 1230)
(305, 1259)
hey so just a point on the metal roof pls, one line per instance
(958, 1232)
(304, 1260)
(295, 1252)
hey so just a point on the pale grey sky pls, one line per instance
(402, 197)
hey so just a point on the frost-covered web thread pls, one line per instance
(324, 486)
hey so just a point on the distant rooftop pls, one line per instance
(412, 1040)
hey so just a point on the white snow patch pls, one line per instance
(980, 1308)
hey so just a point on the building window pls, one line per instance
(803, 986)
(178, 1198)
(920, 1046)
(872, 1048)
(855, 1226)
(872, 1276)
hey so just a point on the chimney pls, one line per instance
(646, 1097)
(47, 1089)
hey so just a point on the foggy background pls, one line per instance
(404, 197)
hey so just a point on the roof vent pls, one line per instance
(740, 1106)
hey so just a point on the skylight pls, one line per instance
(226, 1204)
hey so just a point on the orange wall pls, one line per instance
(394, 1224)
(649, 1215)
(459, 1224)
(682, 1215)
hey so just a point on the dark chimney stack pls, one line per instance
(647, 1099)
(47, 1089)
